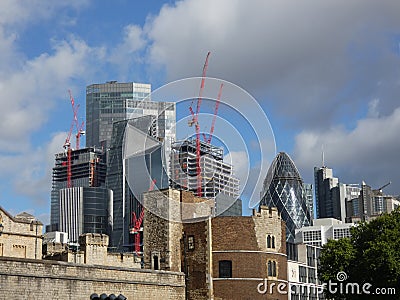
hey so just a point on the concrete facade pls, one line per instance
(21, 236)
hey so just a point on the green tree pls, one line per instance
(372, 255)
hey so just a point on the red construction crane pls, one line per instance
(78, 135)
(79, 129)
(137, 222)
(195, 121)
(210, 135)
(67, 146)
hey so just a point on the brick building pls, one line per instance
(20, 236)
(222, 257)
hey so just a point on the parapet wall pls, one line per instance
(36, 279)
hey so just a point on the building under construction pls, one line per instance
(83, 168)
(217, 179)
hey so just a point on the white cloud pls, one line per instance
(240, 162)
(128, 51)
(30, 89)
(23, 12)
(30, 171)
(322, 59)
(30, 93)
(368, 152)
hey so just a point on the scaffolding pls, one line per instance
(216, 175)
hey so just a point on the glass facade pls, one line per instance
(110, 102)
(85, 210)
(135, 160)
(283, 188)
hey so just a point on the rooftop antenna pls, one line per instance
(323, 156)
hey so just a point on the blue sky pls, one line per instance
(324, 72)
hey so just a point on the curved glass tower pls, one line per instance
(283, 188)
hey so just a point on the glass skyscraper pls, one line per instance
(110, 102)
(115, 111)
(135, 160)
(283, 188)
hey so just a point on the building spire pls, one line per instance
(323, 156)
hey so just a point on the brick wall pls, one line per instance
(195, 260)
(34, 279)
(243, 241)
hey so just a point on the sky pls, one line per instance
(325, 73)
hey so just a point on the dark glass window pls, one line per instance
(225, 269)
(271, 265)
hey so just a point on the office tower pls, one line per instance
(309, 196)
(88, 169)
(85, 210)
(283, 188)
(324, 182)
(136, 159)
(373, 202)
(218, 180)
(111, 102)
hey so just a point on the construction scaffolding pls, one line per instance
(216, 175)
(75, 168)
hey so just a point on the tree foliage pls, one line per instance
(371, 255)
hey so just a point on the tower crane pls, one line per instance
(195, 121)
(382, 187)
(210, 135)
(137, 222)
(67, 147)
(79, 128)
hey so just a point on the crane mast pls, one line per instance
(137, 222)
(195, 121)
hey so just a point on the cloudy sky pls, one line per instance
(324, 72)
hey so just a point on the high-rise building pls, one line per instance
(218, 181)
(111, 102)
(136, 158)
(85, 210)
(369, 204)
(88, 169)
(283, 188)
(309, 196)
(151, 131)
(324, 182)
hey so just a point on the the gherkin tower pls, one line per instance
(283, 188)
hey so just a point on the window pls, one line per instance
(271, 268)
(270, 241)
(190, 242)
(156, 262)
(225, 269)
(303, 274)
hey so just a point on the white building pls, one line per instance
(322, 231)
(303, 274)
